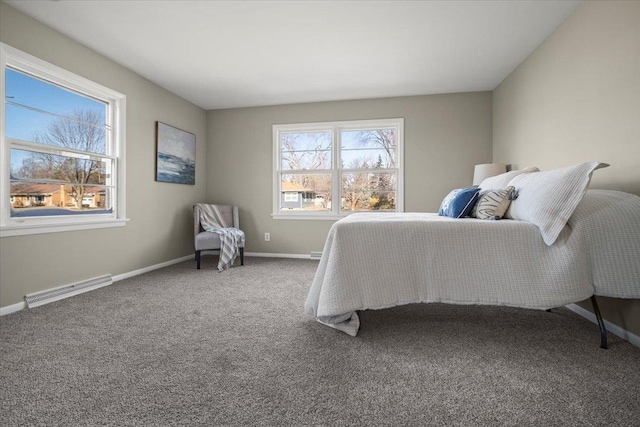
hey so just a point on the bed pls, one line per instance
(376, 261)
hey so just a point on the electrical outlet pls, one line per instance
(267, 237)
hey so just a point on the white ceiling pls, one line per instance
(224, 54)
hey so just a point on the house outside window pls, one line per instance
(62, 145)
(290, 196)
(337, 168)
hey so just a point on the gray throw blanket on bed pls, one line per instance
(231, 238)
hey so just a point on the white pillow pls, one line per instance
(547, 199)
(503, 180)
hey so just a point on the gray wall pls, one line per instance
(445, 136)
(161, 221)
(577, 98)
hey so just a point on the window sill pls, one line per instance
(329, 217)
(27, 229)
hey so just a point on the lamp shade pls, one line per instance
(481, 172)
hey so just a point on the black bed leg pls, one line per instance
(241, 256)
(603, 330)
(198, 260)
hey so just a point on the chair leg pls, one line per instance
(198, 260)
(241, 256)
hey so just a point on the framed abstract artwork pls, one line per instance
(175, 155)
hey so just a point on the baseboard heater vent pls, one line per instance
(316, 255)
(66, 291)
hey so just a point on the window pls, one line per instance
(63, 136)
(337, 168)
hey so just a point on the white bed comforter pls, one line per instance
(374, 261)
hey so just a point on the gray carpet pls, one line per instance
(179, 346)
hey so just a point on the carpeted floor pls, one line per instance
(181, 346)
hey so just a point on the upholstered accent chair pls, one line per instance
(209, 241)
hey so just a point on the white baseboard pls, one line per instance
(614, 329)
(272, 255)
(13, 308)
(312, 255)
(151, 268)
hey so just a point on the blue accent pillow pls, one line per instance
(459, 202)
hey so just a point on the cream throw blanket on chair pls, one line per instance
(212, 220)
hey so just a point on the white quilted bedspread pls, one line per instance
(374, 261)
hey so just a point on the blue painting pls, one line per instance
(176, 155)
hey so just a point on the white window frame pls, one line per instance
(335, 128)
(21, 61)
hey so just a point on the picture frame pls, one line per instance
(175, 155)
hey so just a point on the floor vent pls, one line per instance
(316, 255)
(55, 294)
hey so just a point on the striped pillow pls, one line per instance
(492, 204)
